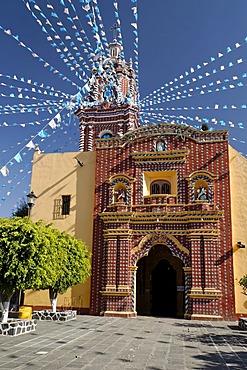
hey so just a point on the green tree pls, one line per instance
(35, 256)
(243, 284)
(21, 210)
(28, 257)
(74, 263)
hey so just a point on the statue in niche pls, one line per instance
(201, 193)
(121, 196)
(160, 146)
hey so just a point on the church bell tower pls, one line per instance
(110, 107)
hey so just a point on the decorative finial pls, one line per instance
(114, 28)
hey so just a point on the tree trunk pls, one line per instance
(53, 299)
(5, 310)
(53, 305)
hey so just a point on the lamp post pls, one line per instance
(31, 198)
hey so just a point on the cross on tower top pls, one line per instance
(114, 28)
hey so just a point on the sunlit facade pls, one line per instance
(161, 208)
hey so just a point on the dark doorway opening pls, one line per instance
(164, 290)
(160, 284)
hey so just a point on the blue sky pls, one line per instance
(197, 48)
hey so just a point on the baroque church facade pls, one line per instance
(153, 204)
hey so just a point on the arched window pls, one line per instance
(166, 188)
(160, 187)
(155, 189)
(105, 134)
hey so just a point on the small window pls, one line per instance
(105, 134)
(166, 188)
(161, 187)
(66, 204)
(155, 189)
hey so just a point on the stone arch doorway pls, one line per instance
(160, 284)
(164, 290)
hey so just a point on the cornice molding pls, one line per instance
(201, 173)
(185, 217)
(120, 176)
(165, 156)
(190, 233)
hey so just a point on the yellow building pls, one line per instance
(238, 181)
(162, 208)
(57, 175)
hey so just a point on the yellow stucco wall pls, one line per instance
(238, 178)
(54, 175)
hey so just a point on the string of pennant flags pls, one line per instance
(21, 95)
(92, 9)
(32, 87)
(75, 30)
(118, 28)
(69, 53)
(25, 171)
(182, 120)
(39, 58)
(65, 50)
(201, 108)
(31, 145)
(202, 92)
(35, 110)
(196, 118)
(18, 158)
(22, 107)
(134, 25)
(79, 34)
(160, 96)
(214, 107)
(24, 124)
(203, 65)
(53, 123)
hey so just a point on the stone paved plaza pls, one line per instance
(151, 343)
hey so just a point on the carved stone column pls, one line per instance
(187, 289)
(82, 138)
(133, 271)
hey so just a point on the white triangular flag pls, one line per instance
(52, 124)
(4, 171)
(30, 145)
